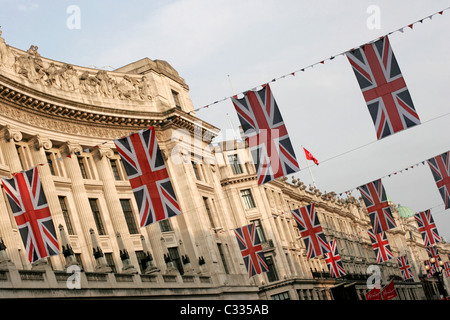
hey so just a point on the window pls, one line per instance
(141, 255)
(82, 164)
(272, 274)
(165, 226)
(208, 212)
(129, 216)
(195, 168)
(50, 162)
(175, 257)
(115, 169)
(247, 197)
(66, 215)
(281, 296)
(176, 99)
(222, 256)
(97, 216)
(110, 261)
(259, 230)
(22, 153)
(234, 163)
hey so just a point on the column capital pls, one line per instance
(39, 142)
(101, 151)
(9, 134)
(69, 148)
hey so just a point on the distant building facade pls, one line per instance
(63, 119)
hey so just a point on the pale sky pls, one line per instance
(210, 42)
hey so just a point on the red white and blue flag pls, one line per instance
(251, 249)
(32, 214)
(440, 168)
(383, 87)
(381, 247)
(333, 260)
(147, 173)
(377, 205)
(311, 231)
(266, 134)
(447, 269)
(405, 267)
(427, 228)
(433, 253)
(431, 268)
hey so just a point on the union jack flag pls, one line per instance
(440, 168)
(433, 253)
(311, 231)
(146, 170)
(431, 268)
(405, 267)
(380, 245)
(383, 87)
(427, 228)
(333, 260)
(447, 269)
(251, 250)
(266, 134)
(32, 214)
(377, 206)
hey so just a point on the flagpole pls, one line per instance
(309, 168)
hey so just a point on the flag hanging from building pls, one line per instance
(311, 230)
(32, 214)
(447, 269)
(430, 267)
(147, 173)
(383, 87)
(380, 245)
(377, 205)
(266, 134)
(251, 249)
(440, 168)
(333, 260)
(389, 291)
(427, 228)
(405, 267)
(309, 156)
(433, 253)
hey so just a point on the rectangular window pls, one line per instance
(247, 197)
(196, 172)
(272, 274)
(97, 216)
(110, 261)
(66, 215)
(176, 99)
(234, 163)
(51, 162)
(281, 296)
(22, 153)
(259, 230)
(165, 226)
(175, 257)
(82, 165)
(208, 212)
(115, 169)
(222, 256)
(129, 216)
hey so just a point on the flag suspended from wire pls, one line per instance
(433, 253)
(30, 209)
(383, 87)
(427, 228)
(405, 267)
(440, 168)
(251, 250)
(266, 134)
(333, 260)
(148, 176)
(381, 247)
(389, 291)
(377, 205)
(311, 231)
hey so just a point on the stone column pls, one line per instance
(101, 264)
(127, 266)
(101, 157)
(80, 198)
(38, 145)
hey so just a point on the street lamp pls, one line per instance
(438, 273)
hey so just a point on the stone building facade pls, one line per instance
(62, 119)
